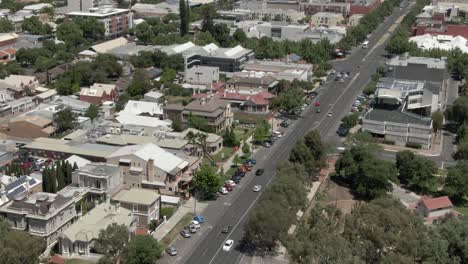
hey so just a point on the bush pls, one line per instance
(389, 142)
(167, 211)
(413, 145)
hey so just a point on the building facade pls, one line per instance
(104, 180)
(143, 203)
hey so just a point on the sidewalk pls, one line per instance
(187, 207)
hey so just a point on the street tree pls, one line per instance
(262, 131)
(206, 181)
(92, 112)
(112, 242)
(34, 26)
(456, 183)
(351, 120)
(462, 151)
(246, 148)
(143, 250)
(458, 112)
(372, 180)
(290, 100)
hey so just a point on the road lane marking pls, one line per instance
(238, 222)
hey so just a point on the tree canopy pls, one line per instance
(416, 171)
(113, 243)
(143, 250)
(206, 181)
(262, 131)
(65, 120)
(456, 183)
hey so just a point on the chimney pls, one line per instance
(150, 170)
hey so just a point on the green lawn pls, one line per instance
(243, 133)
(177, 228)
(224, 154)
(463, 210)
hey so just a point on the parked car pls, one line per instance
(342, 131)
(251, 161)
(257, 188)
(185, 233)
(223, 190)
(200, 219)
(230, 182)
(341, 80)
(228, 187)
(228, 245)
(277, 134)
(171, 251)
(317, 103)
(266, 144)
(317, 111)
(194, 223)
(226, 229)
(284, 124)
(259, 172)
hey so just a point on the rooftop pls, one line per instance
(88, 227)
(437, 203)
(109, 45)
(101, 169)
(143, 108)
(206, 105)
(137, 196)
(72, 147)
(100, 12)
(98, 89)
(124, 139)
(147, 121)
(79, 161)
(396, 116)
(33, 119)
(210, 50)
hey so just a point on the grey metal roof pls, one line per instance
(419, 72)
(396, 116)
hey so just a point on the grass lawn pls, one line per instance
(243, 133)
(78, 261)
(177, 228)
(224, 154)
(463, 210)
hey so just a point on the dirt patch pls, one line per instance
(340, 197)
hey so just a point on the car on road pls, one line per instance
(185, 233)
(317, 103)
(285, 123)
(329, 114)
(277, 134)
(266, 144)
(341, 80)
(257, 188)
(228, 245)
(317, 111)
(200, 219)
(223, 190)
(251, 161)
(171, 251)
(342, 131)
(230, 182)
(195, 223)
(229, 187)
(259, 172)
(236, 179)
(226, 229)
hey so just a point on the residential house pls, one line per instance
(45, 215)
(21, 85)
(116, 21)
(79, 239)
(214, 143)
(253, 101)
(36, 8)
(149, 166)
(434, 209)
(145, 204)
(216, 112)
(99, 93)
(29, 126)
(79, 161)
(14, 187)
(45, 97)
(104, 180)
(6, 95)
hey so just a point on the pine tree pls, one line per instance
(68, 177)
(52, 182)
(45, 180)
(187, 10)
(60, 176)
(75, 166)
(183, 18)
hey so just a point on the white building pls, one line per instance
(443, 42)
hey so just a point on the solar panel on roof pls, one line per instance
(32, 181)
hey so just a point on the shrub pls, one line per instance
(167, 211)
(413, 145)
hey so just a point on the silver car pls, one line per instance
(171, 251)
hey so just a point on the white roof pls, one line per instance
(47, 94)
(183, 47)
(100, 12)
(154, 94)
(170, 199)
(80, 162)
(210, 47)
(162, 159)
(137, 196)
(108, 45)
(443, 42)
(7, 36)
(36, 7)
(147, 121)
(88, 53)
(142, 107)
(234, 50)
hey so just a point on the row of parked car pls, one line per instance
(236, 178)
(187, 232)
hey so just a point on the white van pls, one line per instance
(365, 44)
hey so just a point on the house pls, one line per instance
(214, 143)
(6, 95)
(104, 180)
(21, 85)
(99, 93)
(363, 7)
(13, 187)
(143, 108)
(327, 19)
(45, 215)
(29, 126)
(253, 101)
(216, 112)
(203, 75)
(251, 83)
(149, 166)
(434, 209)
(36, 8)
(116, 21)
(44, 97)
(442, 42)
(144, 203)
(79, 238)
(153, 96)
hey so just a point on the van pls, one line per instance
(365, 44)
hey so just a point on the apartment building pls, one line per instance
(116, 21)
(45, 215)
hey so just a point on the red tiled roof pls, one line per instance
(141, 231)
(10, 50)
(437, 203)
(457, 30)
(217, 85)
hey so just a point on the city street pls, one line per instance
(233, 209)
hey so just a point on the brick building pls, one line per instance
(99, 93)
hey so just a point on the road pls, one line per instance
(233, 209)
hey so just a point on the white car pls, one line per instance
(329, 114)
(230, 182)
(228, 245)
(194, 223)
(223, 190)
(257, 188)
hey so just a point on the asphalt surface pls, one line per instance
(233, 209)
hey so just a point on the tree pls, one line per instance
(458, 112)
(289, 100)
(239, 35)
(6, 26)
(221, 33)
(208, 13)
(34, 26)
(139, 84)
(455, 231)
(437, 120)
(44, 63)
(183, 17)
(236, 160)
(45, 180)
(168, 75)
(71, 33)
(113, 242)
(314, 142)
(144, 33)
(65, 120)
(143, 250)
(205, 38)
(462, 151)
(206, 181)
(372, 181)
(60, 176)
(178, 126)
(199, 123)
(456, 183)
(91, 27)
(351, 120)
(246, 148)
(229, 138)
(416, 171)
(92, 112)
(262, 131)
(52, 181)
